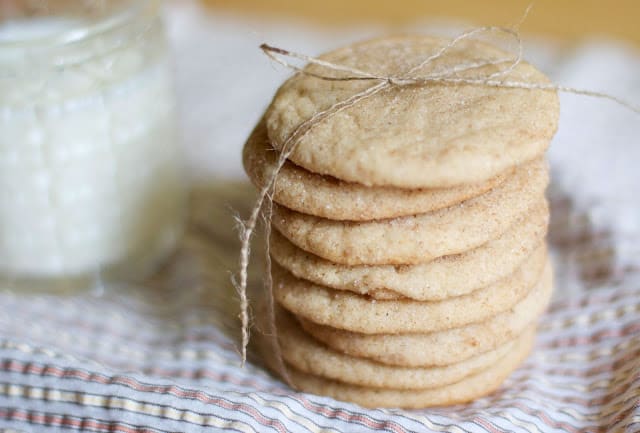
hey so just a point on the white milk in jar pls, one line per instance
(90, 170)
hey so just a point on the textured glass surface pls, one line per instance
(90, 173)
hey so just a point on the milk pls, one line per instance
(90, 172)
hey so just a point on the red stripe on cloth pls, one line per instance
(334, 413)
(547, 419)
(582, 340)
(623, 415)
(486, 424)
(55, 420)
(17, 367)
(594, 299)
(540, 390)
(612, 366)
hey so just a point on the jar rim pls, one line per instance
(87, 29)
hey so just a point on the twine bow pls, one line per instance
(449, 76)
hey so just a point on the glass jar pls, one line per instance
(91, 181)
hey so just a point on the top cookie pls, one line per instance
(417, 136)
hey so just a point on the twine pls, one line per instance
(450, 76)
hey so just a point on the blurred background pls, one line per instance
(567, 20)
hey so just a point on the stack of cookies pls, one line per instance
(409, 256)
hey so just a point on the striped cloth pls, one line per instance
(162, 357)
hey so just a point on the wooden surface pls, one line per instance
(568, 20)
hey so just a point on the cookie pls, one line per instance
(420, 238)
(467, 389)
(444, 277)
(309, 356)
(349, 311)
(438, 348)
(328, 197)
(416, 136)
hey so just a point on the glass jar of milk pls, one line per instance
(90, 170)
